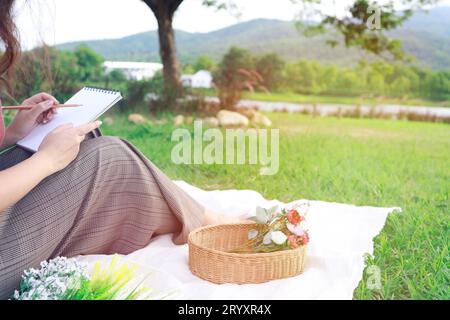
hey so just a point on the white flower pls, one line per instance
(267, 238)
(252, 233)
(52, 280)
(278, 237)
(264, 215)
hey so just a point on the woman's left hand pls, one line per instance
(26, 120)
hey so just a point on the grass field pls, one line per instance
(301, 98)
(359, 161)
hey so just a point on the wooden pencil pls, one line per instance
(32, 106)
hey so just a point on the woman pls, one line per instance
(78, 194)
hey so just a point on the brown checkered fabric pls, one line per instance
(111, 199)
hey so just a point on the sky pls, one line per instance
(59, 21)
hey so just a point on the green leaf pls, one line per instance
(264, 215)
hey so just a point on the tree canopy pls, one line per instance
(364, 25)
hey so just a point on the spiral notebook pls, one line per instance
(94, 101)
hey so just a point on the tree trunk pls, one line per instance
(168, 53)
(164, 11)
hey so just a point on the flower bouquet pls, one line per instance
(68, 279)
(273, 247)
(279, 230)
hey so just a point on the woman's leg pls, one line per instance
(111, 199)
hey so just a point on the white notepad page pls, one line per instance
(95, 102)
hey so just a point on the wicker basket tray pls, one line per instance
(209, 260)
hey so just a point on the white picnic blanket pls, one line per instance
(340, 236)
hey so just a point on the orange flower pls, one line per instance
(305, 238)
(294, 217)
(293, 241)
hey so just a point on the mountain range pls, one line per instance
(425, 36)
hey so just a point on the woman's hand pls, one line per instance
(26, 120)
(61, 146)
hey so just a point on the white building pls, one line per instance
(134, 70)
(201, 79)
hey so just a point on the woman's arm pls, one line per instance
(59, 148)
(20, 179)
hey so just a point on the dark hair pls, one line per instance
(8, 36)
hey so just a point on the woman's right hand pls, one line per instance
(61, 146)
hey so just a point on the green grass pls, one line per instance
(301, 98)
(359, 161)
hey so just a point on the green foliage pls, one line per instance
(67, 279)
(376, 79)
(107, 284)
(89, 63)
(439, 86)
(117, 76)
(235, 73)
(354, 28)
(188, 69)
(236, 58)
(136, 92)
(64, 72)
(57, 72)
(201, 63)
(270, 66)
(204, 63)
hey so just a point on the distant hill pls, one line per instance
(426, 36)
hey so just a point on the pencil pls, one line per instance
(32, 106)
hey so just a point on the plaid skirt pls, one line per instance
(110, 199)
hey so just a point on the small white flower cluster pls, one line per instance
(52, 280)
